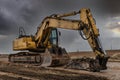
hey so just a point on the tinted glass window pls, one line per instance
(53, 37)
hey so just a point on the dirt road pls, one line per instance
(10, 71)
(112, 73)
(21, 72)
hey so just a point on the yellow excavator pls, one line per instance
(43, 48)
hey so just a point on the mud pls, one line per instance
(10, 71)
(21, 72)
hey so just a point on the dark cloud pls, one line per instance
(111, 7)
(5, 25)
(14, 14)
(29, 14)
(65, 5)
(104, 7)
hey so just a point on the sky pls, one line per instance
(30, 13)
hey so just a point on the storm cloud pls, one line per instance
(17, 13)
(111, 7)
(29, 14)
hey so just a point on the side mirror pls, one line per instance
(59, 33)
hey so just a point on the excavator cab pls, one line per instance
(54, 37)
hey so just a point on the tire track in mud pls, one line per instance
(12, 76)
(37, 73)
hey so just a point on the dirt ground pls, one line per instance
(15, 72)
(10, 71)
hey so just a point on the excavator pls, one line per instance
(43, 48)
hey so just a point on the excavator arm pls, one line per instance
(85, 26)
(92, 35)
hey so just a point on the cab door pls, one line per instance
(54, 37)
